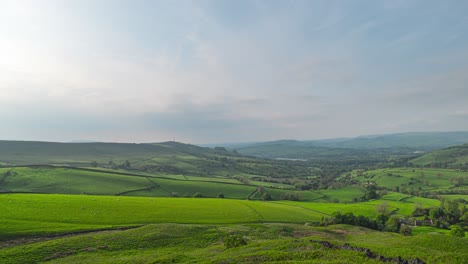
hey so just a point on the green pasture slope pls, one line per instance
(168, 157)
(30, 214)
(421, 179)
(403, 207)
(265, 243)
(33, 214)
(68, 180)
(192, 230)
(452, 157)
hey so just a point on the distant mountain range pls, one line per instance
(413, 142)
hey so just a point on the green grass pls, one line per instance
(452, 156)
(414, 179)
(266, 243)
(26, 214)
(369, 208)
(72, 181)
(394, 196)
(455, 197)
(345, 194)
(61, 180)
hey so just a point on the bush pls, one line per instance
(233, 241)
(290, 196)
(220, 195)
(406, 230)
(392, 224)
(266, 197)
(197, 195)
(457, 231)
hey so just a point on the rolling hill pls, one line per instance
(166, 157)
(375, 147)
(454, 157)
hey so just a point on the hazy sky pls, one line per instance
(230, 71)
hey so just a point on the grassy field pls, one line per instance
(31, 214)
(172, 158)
(400, 207)
(266, 243)
(345, 194)
(426, 179)
(452, 156)
(69, 180)
(164, 230)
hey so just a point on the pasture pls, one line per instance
(34, 214)
(278, 243)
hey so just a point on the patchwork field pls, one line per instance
(416, 179)
(70, 180)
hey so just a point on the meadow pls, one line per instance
(72, 180)
(34, 214)
(265, 243)
(172, 202)
(416, 179)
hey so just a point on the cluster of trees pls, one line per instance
(447, 214)
(291, 196)
(448, 165)
(112, 165)
(382, 222)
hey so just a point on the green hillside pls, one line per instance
(178, 230)
(265, 243)
(72, 180)
(416, 181)
(167, 157)
(30, 152)
(452, 157)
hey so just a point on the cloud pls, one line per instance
(214, 71)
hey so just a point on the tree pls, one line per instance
(266, 196)
(380, 221)
(382, 208)
(392, 224)
(371, 192)
(406, 230)
(418, 210)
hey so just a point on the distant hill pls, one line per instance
(32, 152)
(456, 156)
(412, 140)
(155, 158)
(343, 148)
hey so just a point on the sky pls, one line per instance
(230, 71)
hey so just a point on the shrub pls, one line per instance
(290, 196)
(266, 197)
(457, 231)
(233, 241)
(406, 230)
